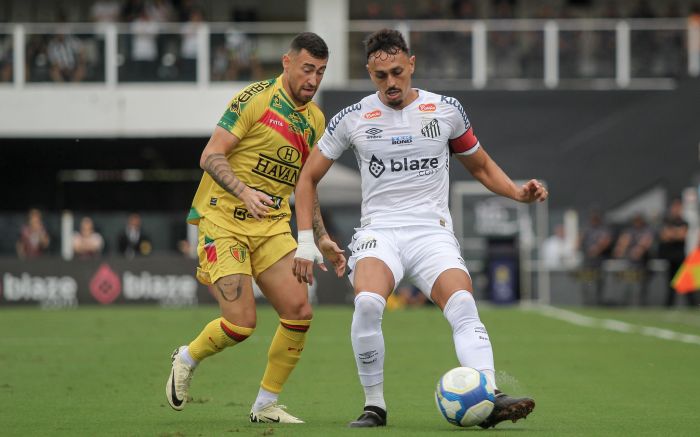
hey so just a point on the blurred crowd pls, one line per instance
(87, 242)
(623, 253)
(161, 41)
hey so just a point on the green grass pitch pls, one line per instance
(102, 371)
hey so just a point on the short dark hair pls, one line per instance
(310, 42)
(386, 40)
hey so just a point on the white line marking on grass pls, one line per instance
(615, 325)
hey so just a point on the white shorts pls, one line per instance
(419, 253)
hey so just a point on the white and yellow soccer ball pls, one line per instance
(464, 396)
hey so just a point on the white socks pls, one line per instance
(187, 358)
(264, 397)
(368, 345)
(471, 339)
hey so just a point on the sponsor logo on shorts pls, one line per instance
(373, 133)
(213, 201)
(376, 166)
(368, 243)
(402, 139)
(427, 107)
(239, 252)
(431, 128)
(373, 114)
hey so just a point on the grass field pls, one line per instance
(101, 371)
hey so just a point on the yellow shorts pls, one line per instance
(222, 252)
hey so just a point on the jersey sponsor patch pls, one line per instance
(402, 139)
(372, 114)
(276, 170)
(376, 166)
(427, 107)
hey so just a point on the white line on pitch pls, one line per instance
(615, 325)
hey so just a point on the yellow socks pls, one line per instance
(284, 353)
(216, 336)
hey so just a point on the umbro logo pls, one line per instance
(373, 133)
(376, 167)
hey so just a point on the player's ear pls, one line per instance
(412, 63)
(286, 60)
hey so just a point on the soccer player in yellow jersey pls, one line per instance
(251, 163)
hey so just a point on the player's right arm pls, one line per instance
(215, 163)
(306, 195)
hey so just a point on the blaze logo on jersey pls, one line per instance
(427, 107)
(376, 167)
(374, 114)
(431, 128)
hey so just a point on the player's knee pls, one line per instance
(297, 310)
(369, 305)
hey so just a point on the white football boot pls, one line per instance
(273, 413)
(178, 385)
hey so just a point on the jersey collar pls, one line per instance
(286, 97)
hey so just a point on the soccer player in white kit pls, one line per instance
(403, 138)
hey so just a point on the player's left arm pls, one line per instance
(485, 170)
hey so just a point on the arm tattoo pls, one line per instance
(220, 170)
(317, 221)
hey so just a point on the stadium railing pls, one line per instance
(513, 53)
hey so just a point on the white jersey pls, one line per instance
(403, 156)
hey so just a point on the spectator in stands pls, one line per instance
(132, 241)
(594, 245)
(33, 240)
(188, 45)
(556, 251)
(634, 245)
(5, 59)
(66, 58)
(144, 47)
(672, 246)
(87, 243)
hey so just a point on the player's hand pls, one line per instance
(533, 191)
(335, 254)
(304, 258)
(257, 203)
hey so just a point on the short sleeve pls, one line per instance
(336, 139)
(244, 110)
(462, 139)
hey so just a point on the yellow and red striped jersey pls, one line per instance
(275, 139)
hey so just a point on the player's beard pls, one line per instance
(394, 102)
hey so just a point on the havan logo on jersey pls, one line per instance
(431, 128)
(276, 170)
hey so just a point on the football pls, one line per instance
(464, 396)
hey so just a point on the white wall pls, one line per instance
(126, 111)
